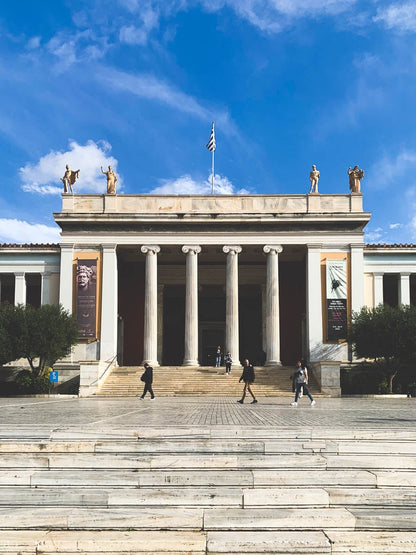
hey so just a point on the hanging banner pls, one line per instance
(336, 298)
(87, 298)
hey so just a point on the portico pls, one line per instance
(181, 274)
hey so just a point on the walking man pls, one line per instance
(248, 378)
(301, 377)
(147, 378)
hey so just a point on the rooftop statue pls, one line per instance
(356, 176)
(111, 180)
(69, 179)
(314, 176)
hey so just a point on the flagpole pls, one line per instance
(211, 147)
(212, 174)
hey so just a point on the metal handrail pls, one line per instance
(104, 371)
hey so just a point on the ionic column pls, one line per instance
(66, 277)
(45, 288)
(109, 307)
(272, 305)
(160, 290)
(0, 289)
(231, 303)
(19, 288)
(150, 305)
(191, 305)
(404, 288)
(378, 288)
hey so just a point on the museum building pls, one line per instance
(165, 279)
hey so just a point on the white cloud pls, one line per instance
(374, 236)
(401, 17)
(151, 88)
(273, 15)
(19, 231)
(392, 171)
(71, 48)
(132, 35)
(148, 86)
(33, 43)
(267, 15)
(186, 185)
(44, 177)
(395, 226)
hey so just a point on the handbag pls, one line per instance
(143, 379)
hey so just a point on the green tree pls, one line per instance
(42, 335)
(386, 334)
(11, 332)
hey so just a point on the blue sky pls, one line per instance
(136, 84)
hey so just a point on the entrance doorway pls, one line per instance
(211, 335)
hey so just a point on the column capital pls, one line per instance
(378, 274)
(357, 246)
(19, 274)
(67, 246)
(314, 246)
(405, 274)
(231, 249)
(150, 249)
(192, 249)
(272, 249)
(109, 248)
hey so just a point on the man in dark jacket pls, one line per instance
(147, 378)
(248, 378)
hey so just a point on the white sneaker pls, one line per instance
(313, 403)
(293, 404)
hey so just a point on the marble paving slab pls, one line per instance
(102, 541)
(305, 542)
(376, 543)
(278, 519)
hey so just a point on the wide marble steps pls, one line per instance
(210, 490)
(125, 381)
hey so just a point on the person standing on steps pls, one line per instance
(301, 377)
(147, 378)
(248, 378)
(218, 357)
(228, 361)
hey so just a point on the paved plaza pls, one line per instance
(44, 416)
(189, 475)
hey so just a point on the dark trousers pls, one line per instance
(228, 367)
(247, 388)
(305, 391)
(148, 388)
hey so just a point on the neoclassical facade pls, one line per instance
(165, 279)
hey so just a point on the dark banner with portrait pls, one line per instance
(87, 298)
(336, 299)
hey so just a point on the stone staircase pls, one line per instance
(210, 490)
(124, 381)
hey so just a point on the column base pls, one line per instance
(190, 363)
(152, 363)
(272, 363)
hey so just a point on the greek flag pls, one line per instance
(211, 146)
